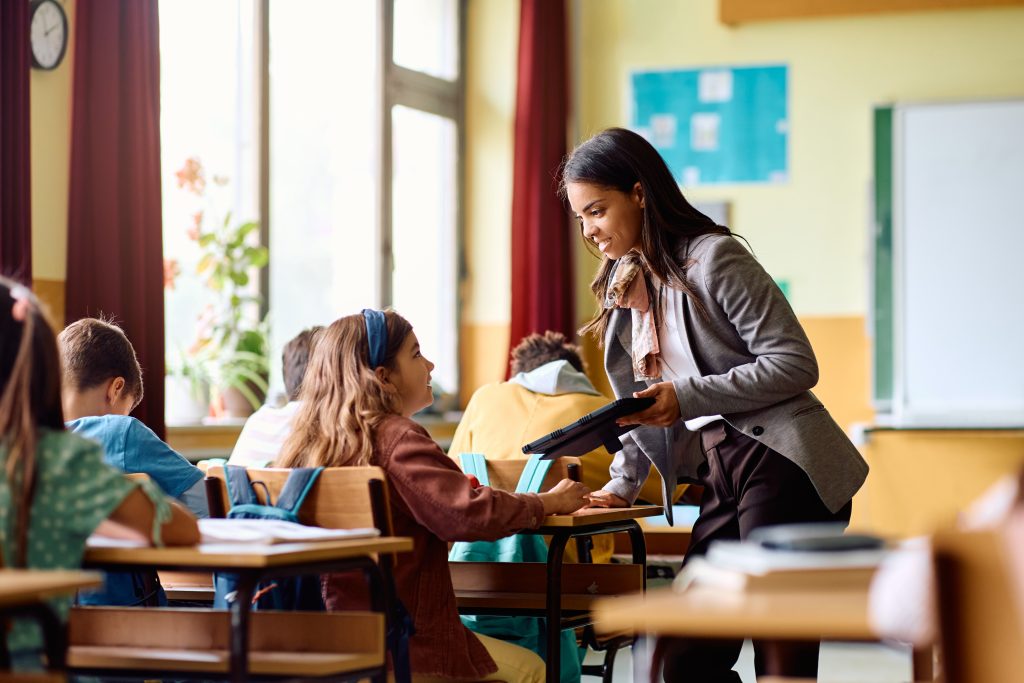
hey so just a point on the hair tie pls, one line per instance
(376, 336)
(22, 302)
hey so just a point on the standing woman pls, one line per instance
(691, 319)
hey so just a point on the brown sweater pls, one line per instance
(433, 502)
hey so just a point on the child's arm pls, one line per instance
(135, 515)
(441, 498)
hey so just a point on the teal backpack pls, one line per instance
(528, 632)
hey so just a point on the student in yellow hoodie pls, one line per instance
(548, 390)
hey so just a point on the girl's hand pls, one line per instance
(564, 497)
(607, 499)
(663, 413)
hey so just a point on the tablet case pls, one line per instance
(591, 431)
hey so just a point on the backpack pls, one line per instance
(528, 632)
(282, 593)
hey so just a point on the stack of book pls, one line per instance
(760, 564)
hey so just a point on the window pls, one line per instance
(357, 108)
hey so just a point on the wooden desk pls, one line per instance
(236, 557)
(20, 587)
(24, 592)
(562, 529)
(808, 615)
(251, 564)
(714, 613)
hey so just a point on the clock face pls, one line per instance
(49, 34)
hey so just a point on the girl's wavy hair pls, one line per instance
(342, 399)
(618, 159)
(29, 399)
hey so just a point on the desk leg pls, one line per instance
(240, 608)
(639, 545)
(556, 552)
(923, 663)
(55, 635)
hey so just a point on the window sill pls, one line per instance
(215, 438)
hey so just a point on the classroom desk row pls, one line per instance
(125, 641)
(250, 564)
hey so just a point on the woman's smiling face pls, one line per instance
(609, 218)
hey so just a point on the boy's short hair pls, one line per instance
(94, 351)
(538, 349)
(295, 358)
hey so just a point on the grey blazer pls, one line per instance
(757, 370)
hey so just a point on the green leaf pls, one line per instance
(245, 228)
(205, 263)
(241, 278)
(257, 256)
(206, 239)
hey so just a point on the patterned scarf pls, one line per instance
(628, 289)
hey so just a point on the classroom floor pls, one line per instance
(838, 663)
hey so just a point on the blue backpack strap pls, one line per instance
(533, 474)
(239, 489)
(475, 464)
(297, 487)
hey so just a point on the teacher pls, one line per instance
(689, 318)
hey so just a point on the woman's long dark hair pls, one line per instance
(29, 399)
(617, 158)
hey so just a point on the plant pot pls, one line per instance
(235, 402)
(182, 404)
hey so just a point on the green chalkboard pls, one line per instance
(882, 389)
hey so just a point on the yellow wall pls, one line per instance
(492, 41)
(50, 94)
(812, 230)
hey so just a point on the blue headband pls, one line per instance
(376, 336)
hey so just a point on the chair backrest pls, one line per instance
(342, 497)
(505, 473)
(980, 629)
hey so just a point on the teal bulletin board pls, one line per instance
(716, 125)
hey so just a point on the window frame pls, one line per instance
(397, 86)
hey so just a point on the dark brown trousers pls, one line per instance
(746, 485)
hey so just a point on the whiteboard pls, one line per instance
(958, 262)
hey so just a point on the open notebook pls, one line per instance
(273, 531)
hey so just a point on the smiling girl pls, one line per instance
(690, 318)
(365, 379)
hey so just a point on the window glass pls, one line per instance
(423, 235)
(208, 147)
(324, 182)
(427, 37)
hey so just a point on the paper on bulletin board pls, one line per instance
(716, 125)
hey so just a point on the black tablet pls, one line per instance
(591, 431)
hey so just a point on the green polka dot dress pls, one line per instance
(75, 491)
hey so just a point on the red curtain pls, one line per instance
(115, 250)
(15, 189)
(542, 280)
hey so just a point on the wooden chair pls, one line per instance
(282, 643)
(981, 631)
(504, 588)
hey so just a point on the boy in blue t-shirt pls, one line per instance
(102, 384)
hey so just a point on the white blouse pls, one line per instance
(676, 357)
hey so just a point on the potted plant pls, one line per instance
(232, 343)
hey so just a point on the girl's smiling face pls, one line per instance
(411, 376)
(609, 218)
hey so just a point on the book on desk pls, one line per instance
(751, 565)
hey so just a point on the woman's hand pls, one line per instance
(607, 499)
(663, 413)
(564, 497)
